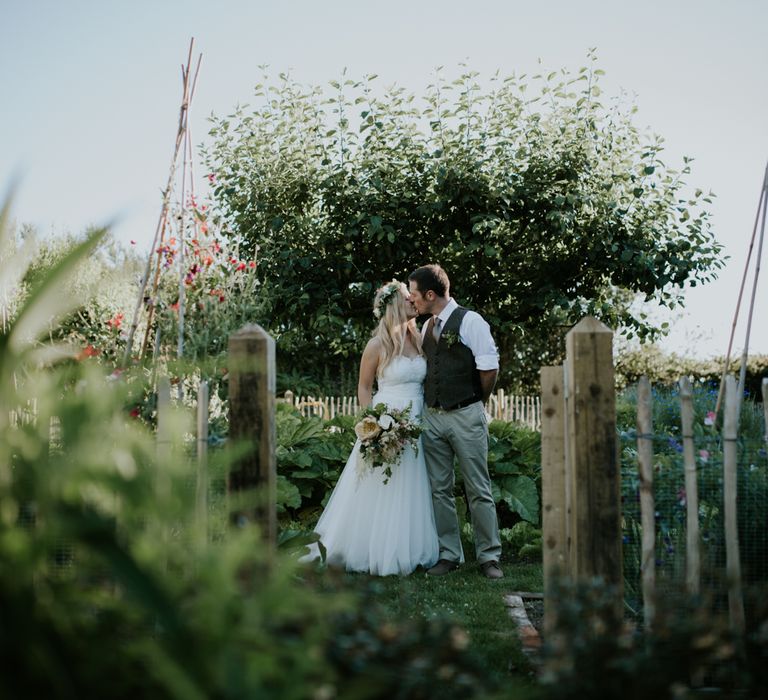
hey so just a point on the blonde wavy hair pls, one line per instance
(389, 306)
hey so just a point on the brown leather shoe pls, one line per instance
(443, 567)
(491, 570)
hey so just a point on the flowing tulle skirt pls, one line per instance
(376, 527)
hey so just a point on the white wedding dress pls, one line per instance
(381, 528)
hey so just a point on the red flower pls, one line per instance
(175, 306)
(251, 264)
(216, 248)
(241, 266)
(88, 351)
(211, 177)
(116, 321)
(208, 260)
(135, 413)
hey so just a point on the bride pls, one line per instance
(369, 525)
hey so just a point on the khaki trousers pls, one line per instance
(461, 433)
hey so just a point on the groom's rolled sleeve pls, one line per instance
(475, 333)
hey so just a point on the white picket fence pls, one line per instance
(500, 406)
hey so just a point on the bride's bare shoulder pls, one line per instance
(373, 348)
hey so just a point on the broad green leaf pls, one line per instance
(521, 495)
(287, 494)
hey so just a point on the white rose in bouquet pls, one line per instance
(367, 429)
(386, 421)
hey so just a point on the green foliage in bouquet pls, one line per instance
(384, 432)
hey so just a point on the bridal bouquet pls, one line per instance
(384, 433)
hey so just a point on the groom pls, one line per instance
(462, 364)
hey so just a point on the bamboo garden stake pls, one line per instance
(760, 208)
(555, 554)
(180, 131)
(730, 459)
(692, 541)
(647, 505)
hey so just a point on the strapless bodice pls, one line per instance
(402, 382)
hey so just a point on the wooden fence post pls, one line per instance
(593, 464)
(251, 365)
(555, 560)
(201, 494)
(647, 506)
(765, 405)
(163, 434)
(730, 459)
(692, 540)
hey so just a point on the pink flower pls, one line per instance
(88, 351)
(710, 418)
(704, 455)
(116, 321)
(133, 242)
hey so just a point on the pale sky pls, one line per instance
(91, 91)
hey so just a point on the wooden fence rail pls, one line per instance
(500, 406)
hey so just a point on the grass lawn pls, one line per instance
(476, 604)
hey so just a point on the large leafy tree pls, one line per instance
(542, 203)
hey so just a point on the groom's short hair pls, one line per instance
(431, 277)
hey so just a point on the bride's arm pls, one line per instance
(368, 366)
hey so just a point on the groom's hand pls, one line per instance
(487, 382)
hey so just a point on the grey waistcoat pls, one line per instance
(452, 377)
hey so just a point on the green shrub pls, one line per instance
(665, 368)
(593, 652)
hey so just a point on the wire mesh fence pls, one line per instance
(670, 497)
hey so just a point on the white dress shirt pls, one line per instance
(475, 333)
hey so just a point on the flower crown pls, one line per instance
(387, 295)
